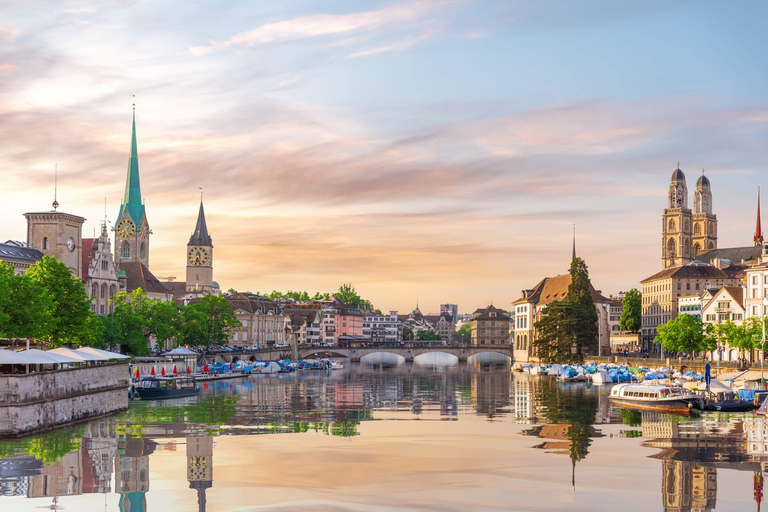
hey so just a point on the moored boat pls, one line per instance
(159, 388)
(657, 397)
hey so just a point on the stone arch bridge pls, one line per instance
(409, 352)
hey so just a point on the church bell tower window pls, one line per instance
(126, 250)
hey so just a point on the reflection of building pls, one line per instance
(490, 390)
(15, 473)
(687, 486)
(61, 479)
(200, 466)
(132, 474)
(99, 448)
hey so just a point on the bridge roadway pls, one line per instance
(408, 351)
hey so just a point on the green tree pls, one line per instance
(210, 320)
(407, 334)
(231, 291)
(163, 320)
(25, 307)
(71, 313)
(631, 311)
(125, 326)
(348, 295)
(463, 334)
(428, 335)
(585, 315)
(684, 333)
(556, 332)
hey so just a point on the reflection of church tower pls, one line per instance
(132, 229)
(132, 474)
(686, 486)
(200, 258)
(200, 466)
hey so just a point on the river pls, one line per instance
(382, 436)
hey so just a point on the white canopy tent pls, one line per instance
(10, 357)
(50, 356)
(80, 356)
(103, 353)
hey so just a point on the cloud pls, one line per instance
(396, 46)
(316, 25)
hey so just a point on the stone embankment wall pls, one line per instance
(39, 401)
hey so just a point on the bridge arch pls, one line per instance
(490, 356)
(438, 357)
(383, 357)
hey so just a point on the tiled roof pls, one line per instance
(88, 253)
(551, 289)
(139, 276)
(251, 303)
(177, 288)
(696, 270)
(299, 315)
(13, 253)
(485, 314)
(736, 293)
(733, 254)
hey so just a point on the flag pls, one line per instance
(137, 373)
(188, 370)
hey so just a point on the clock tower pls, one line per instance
(200, 258)
(676, 249)
(132, 229)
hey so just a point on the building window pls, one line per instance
(679, 285)
(45, 243)
(126, 250)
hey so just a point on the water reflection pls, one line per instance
(112, 456)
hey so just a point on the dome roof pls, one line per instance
(703, 181)
(678, 175)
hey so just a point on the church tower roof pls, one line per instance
(200, 235)
(758, 228)
(132, 200)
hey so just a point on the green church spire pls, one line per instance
(132, 184)
(132, 203)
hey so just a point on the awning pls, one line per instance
(51, 357)
(102, 353)
(77, 355)
(9, 357)
(181, 351)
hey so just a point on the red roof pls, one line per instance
(88, 253)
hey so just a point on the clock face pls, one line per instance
(143, 230)
(71, 244)
(125, 228)
(197, 255)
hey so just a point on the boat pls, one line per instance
(655, 397)
(601, 377)
(735, 405)
(159, 388)
(335, 365)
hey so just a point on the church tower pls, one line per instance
(132, 229)
(704, 221)
(676, 224)
(200, 258)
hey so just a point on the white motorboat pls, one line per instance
(656, 397)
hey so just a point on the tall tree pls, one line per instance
(579, 294)
(71, 314)
(631, 311)
(557, 332)
(25, 306)
(209, 320)
(348, 295)
(428, 335)
(407, 334)
(684, 333)
(463, 334)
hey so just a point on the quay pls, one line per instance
(44, 390)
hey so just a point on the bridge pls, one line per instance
(408, 351)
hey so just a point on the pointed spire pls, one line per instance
(573, 257)
(758, 228)
(200, 236)
(132, 184)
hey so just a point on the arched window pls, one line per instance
(697, 229)
(45, 243)
(711, 245)
(671, 252)
(686, 226)
(126, 250)
(696, 248)
(94, 291)
(103, 291)
(142, 251)
(686, 248)
(112, 291)
(671, 224)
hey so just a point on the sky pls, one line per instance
(431, 150)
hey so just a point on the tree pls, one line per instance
(684, 333)
(71, 313)
(556, 332)
(428, 335)
(463, 334)
(162, 320)
(348, 295)
(25, 307)
(126, 326)
(585, 315)
(231, 291)
(209, 321)
(631, 311)
(407, 334)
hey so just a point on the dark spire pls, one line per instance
(758, 229)
(573, 257)
(200, 236)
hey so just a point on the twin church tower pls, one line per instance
(686, 233)
(132, 237)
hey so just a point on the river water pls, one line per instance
(378, 437)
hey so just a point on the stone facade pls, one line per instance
(38, 401)
(57, 234)
(100, 273)
(263, 321)
(490, 327)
